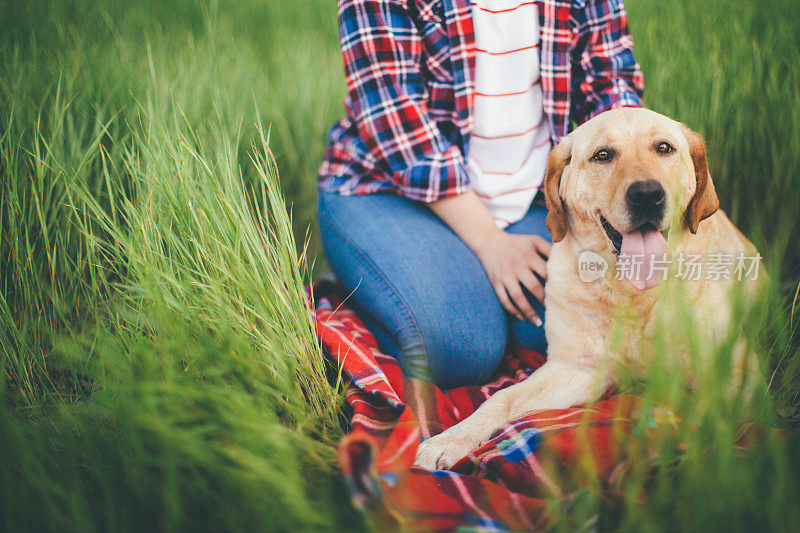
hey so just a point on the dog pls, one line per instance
(628, 184)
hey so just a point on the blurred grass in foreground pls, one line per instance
(158, 364)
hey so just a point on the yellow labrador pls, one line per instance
(619, 189)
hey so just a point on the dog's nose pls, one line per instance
(645, 196)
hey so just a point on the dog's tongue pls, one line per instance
(639, 250)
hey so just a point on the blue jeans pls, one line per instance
(420, 289)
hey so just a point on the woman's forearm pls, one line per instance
(466, 215)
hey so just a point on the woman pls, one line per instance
(429, 203)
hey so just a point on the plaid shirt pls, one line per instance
(410, 71)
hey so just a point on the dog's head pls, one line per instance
(624, 177)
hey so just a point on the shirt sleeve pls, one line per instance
(605, 74)
(382, 53)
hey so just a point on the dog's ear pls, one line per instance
(556, 218)
(704, 203)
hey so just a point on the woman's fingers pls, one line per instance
(506, 302)
(539, 265)
(518, 272)
(534, 286)
(541, 246)
(521, 302)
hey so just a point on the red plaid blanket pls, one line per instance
(505, 484)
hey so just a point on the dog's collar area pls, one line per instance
(613, 235)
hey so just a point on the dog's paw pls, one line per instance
(444, 450)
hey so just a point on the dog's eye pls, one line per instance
(603, 154)
(664, 148)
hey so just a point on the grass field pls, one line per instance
(158, 364)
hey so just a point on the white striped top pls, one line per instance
(510, 141)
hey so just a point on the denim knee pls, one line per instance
(450, 331)
(463, 352)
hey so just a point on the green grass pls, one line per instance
(159, 368)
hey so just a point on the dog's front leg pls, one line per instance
(555, 385)
(443, 450)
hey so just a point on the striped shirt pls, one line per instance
(510, 140)
(410, 73)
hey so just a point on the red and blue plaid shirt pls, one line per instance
(410, 71)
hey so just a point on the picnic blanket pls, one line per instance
(505, 484)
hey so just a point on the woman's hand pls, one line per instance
(511, 261)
